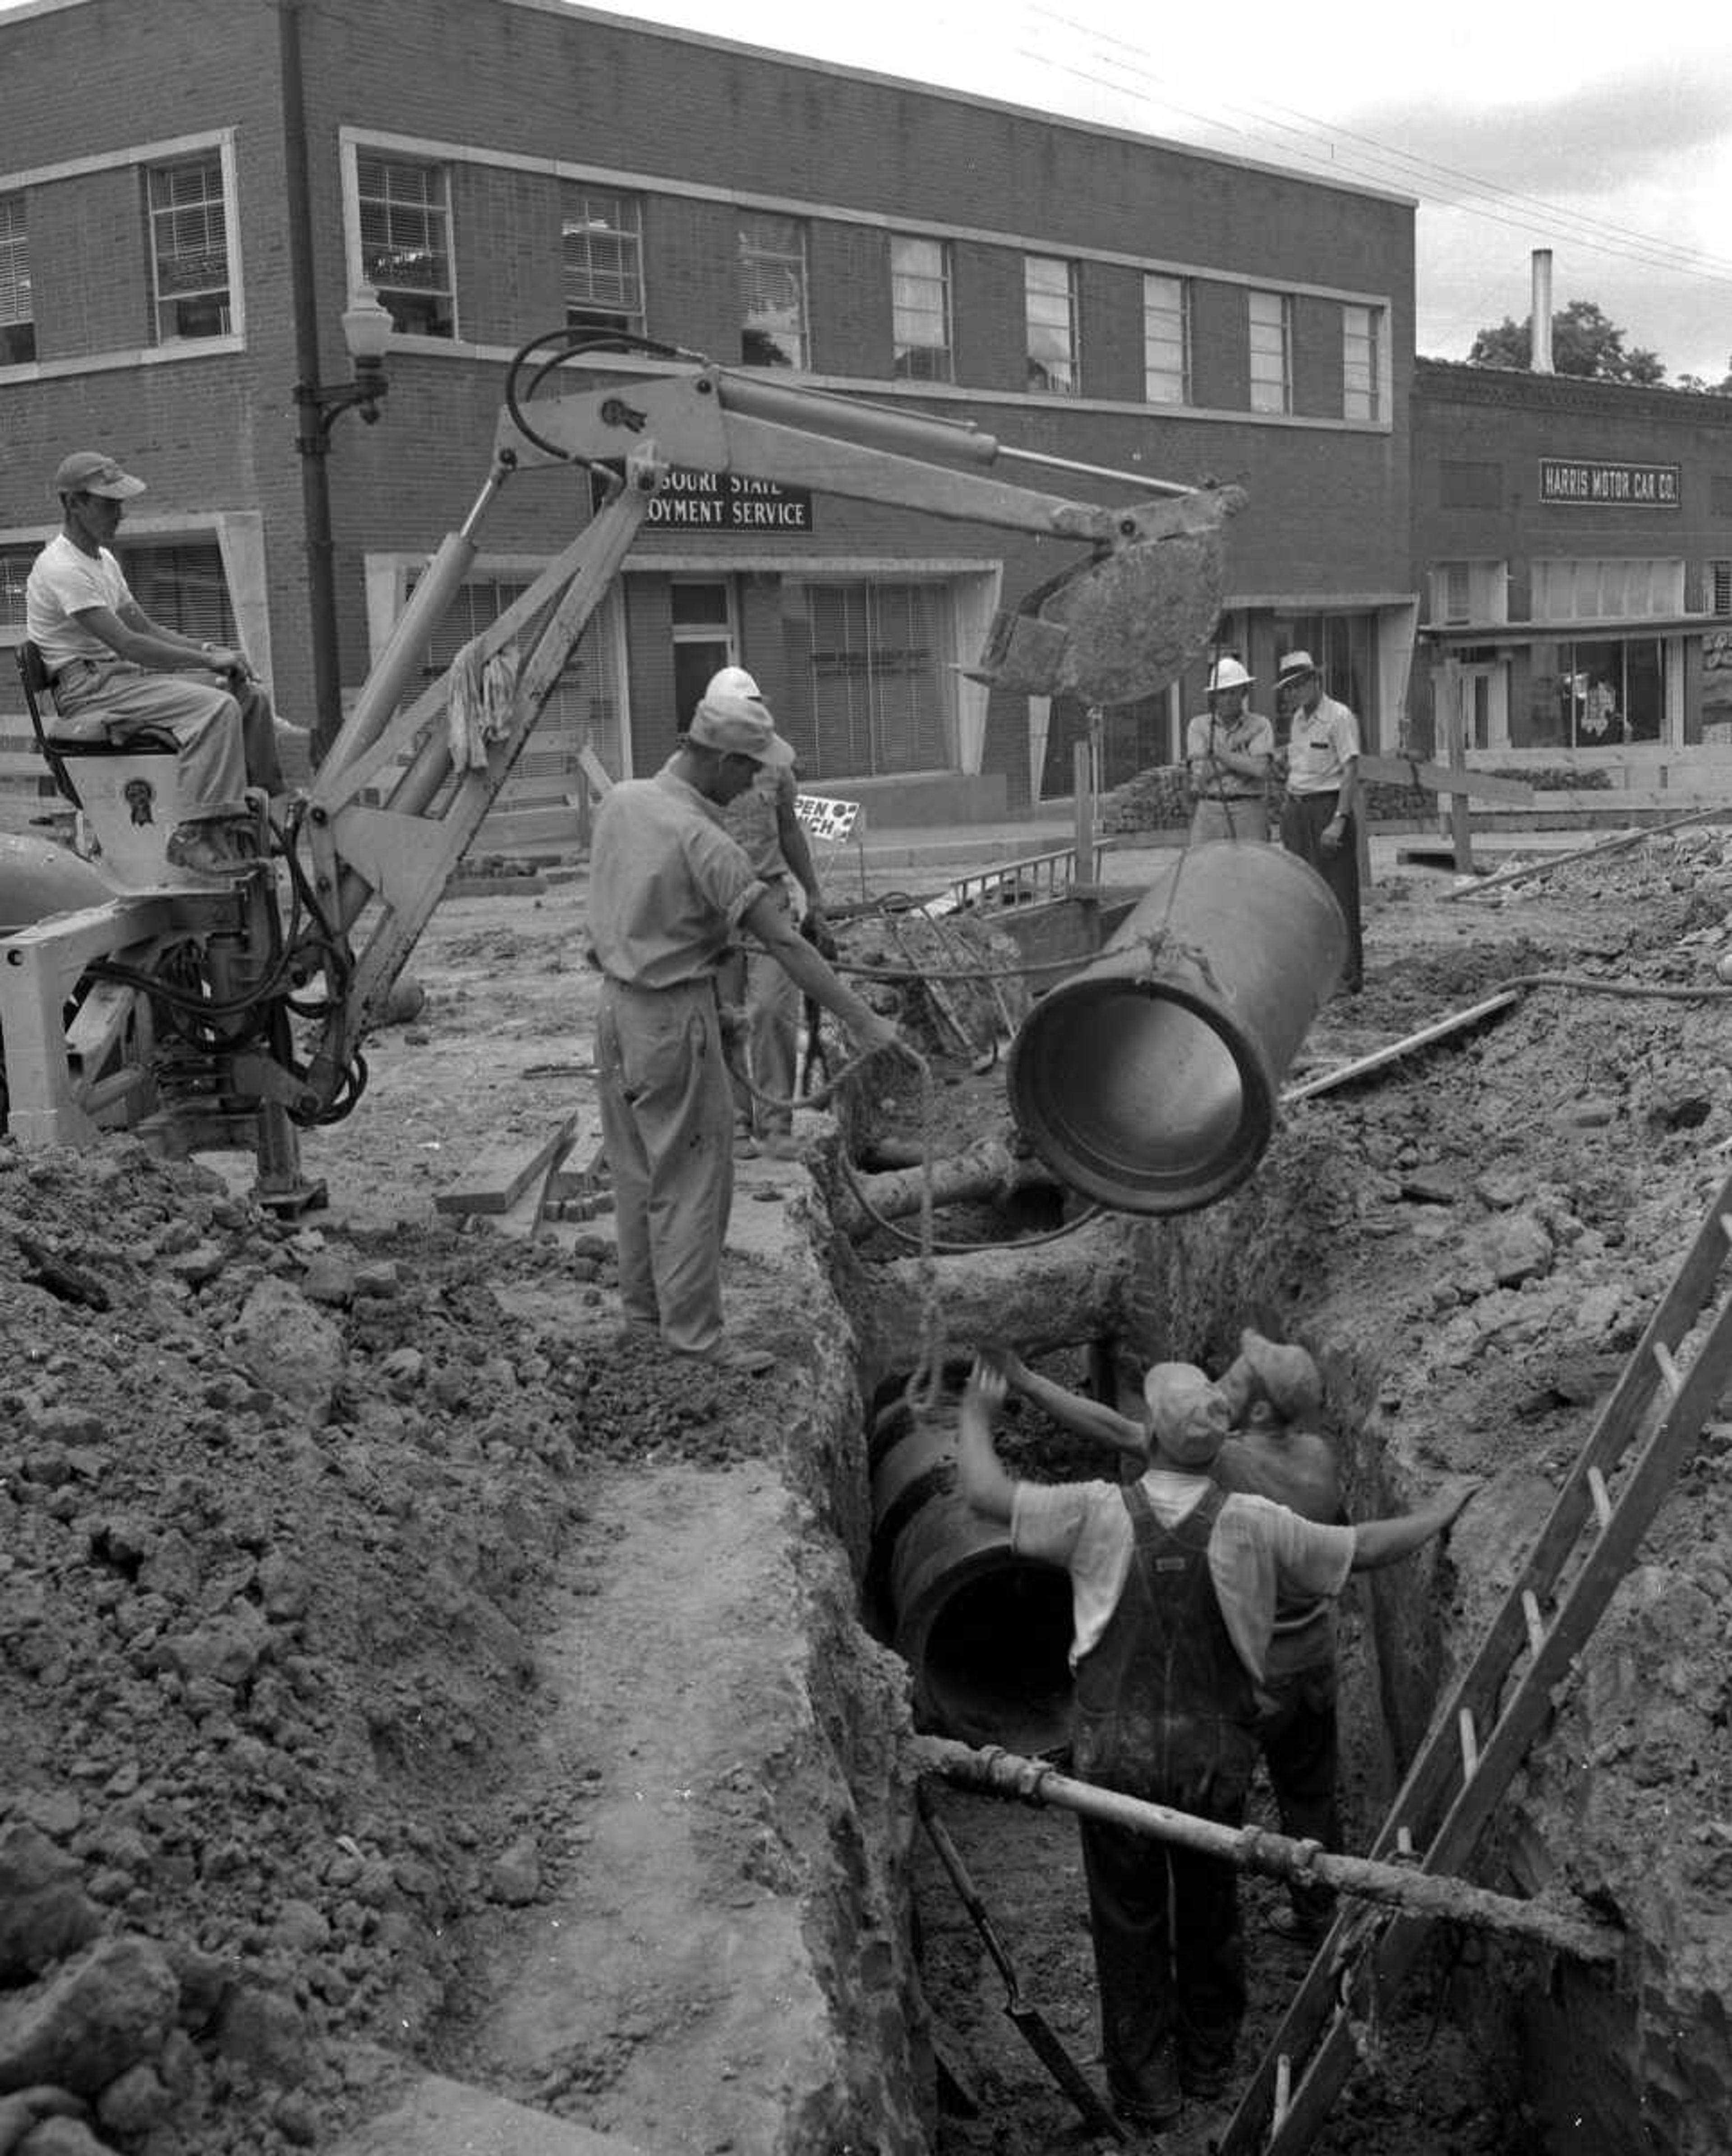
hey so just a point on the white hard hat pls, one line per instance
(1228, 673)
(734, 681)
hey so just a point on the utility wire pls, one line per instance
(1440, 184)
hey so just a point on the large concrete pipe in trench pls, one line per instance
(986, 1633)
(1149, 1081)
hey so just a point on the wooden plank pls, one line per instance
(1362, 1065)
(595, 771)
(1439, 778)
(495, 1181)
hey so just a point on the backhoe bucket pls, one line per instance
(1124, 625)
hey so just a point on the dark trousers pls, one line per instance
(1302, 818)
(1153, 1911)
(1296, 1728)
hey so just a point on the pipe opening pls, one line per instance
(1143, 1096)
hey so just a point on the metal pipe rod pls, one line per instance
(1564, 1929)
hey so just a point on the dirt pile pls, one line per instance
(277, 1508)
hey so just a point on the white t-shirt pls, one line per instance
(1258, 1551)
(65, 582)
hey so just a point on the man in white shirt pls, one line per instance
(115, 673)
(1174, 1584)
(1322, 767)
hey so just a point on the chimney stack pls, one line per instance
(1540, 361)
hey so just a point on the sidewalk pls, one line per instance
(937, 853)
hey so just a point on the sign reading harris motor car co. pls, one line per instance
(1597, 485)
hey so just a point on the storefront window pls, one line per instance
(881, 679)
(1600, 694)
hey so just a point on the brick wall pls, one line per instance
(218, 430)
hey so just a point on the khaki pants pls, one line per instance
(667, 1127)
(225, 743)
(1246, 821)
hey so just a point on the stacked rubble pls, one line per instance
(275, 1509)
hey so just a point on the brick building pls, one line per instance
(1573, 541)
(494, 168)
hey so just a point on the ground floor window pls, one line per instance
(881, 698)
(1595, 693)
(583, 711)
(182, 587)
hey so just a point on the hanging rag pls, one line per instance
(483, 692)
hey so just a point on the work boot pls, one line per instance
(1157, 2099)
(737, 1361)
(204, 849)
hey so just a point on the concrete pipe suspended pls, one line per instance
(985, 1633)
(1149, 1081)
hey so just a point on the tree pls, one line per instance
(1583, 342)
(1702, 387)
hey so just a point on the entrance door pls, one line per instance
(703, 640)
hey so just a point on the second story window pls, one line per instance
(406, 243)
(774, 330)
(920, 310)
(189, 248)
(18, 309)
(1272, 352)
(1050, 305)
(1361, 364)
(602, 239)
(1166, 340)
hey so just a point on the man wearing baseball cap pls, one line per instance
(115, 673)
(1274, 1392)
(669, 892)
(765, 823)
(1173, 1587)
(1317, 817)
(1227, 751)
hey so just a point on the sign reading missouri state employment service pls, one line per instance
(726, 501)
(1597, 485)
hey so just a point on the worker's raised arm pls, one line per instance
(1070, 1410)
(982, 1480)
(1379, 1543)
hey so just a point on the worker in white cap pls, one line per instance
(1174, 1585)
(765, 822)
(1227, 751)
(1317, 817)
(115, 673)
(669, 892)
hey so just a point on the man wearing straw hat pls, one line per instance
(1317, 817)
(1174, 1586)
(1227, 751)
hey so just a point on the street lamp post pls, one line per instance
(366, 332)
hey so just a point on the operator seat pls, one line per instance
(131, 798)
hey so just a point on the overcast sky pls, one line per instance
(1601, 131)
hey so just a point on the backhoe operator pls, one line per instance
(669, 889)
(115, 673)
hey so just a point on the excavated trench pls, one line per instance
(572, 1764)
(1491, 2048)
